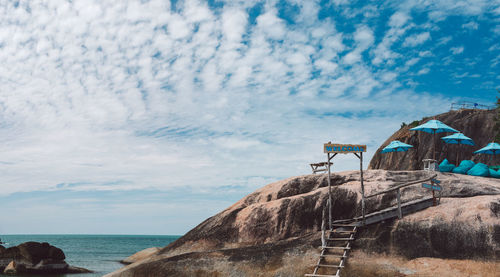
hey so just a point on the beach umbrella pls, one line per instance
(458, 138)
(396, 146)
(433, 127)
(492, 149)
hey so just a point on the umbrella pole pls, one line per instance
(434, 151)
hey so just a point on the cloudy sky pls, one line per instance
(146, 117)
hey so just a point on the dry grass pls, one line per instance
(364, 265)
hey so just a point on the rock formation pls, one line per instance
(35, 258)
(476, 124)
(275, 230)
(141, 255)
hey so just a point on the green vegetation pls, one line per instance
(413, 124)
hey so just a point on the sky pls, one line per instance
(147, 117)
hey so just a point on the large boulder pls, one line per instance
(476, 124)
(35, 258)
(141, 255)
(274, 231)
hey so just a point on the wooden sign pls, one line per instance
(344, 148)
(432, 187)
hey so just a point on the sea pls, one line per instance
(99, 253)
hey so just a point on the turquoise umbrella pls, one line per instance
(433, 127)
(396, 146)
(492, 149)
(458, 138)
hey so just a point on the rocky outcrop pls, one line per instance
(476, 124)
(35, 258)
(274, 231)
(141, 255)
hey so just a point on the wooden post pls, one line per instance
(323, 227)
(400, 214)
(362, 186)
(329, 194)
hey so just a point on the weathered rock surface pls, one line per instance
(476, 124)
(274, 231)
(141, 255)
(35, 258)
(10, 269)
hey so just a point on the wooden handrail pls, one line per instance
(402, 186)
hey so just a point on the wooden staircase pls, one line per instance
(334, 251)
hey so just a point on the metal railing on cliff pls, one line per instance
(471, 105)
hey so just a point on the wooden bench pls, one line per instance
(319, 167)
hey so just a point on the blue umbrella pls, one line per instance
(434, 126)
(492, 149)
(458, 138)
(396, 146)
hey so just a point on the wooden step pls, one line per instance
(344, 225)
(341, 239)
(330, 266)
(336, 247)
(333, 256)
(320, 275)
(342, 231)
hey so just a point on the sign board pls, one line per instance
(432, 187)
(344, 148)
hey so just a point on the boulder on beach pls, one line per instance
(275, 231)
(35, 258)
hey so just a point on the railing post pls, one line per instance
(434, 203)
(400, 214)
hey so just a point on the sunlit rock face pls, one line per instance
(275, 230)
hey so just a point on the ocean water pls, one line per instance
(99, 253)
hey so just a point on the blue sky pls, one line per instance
(146, 117)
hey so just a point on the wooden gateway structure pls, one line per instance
(336, 242)
(331, 151)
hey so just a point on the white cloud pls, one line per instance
(439, 10)
(363, 37)
(398, 19)
(423, 71)
(470, 25)
(352, 57)
(444, 40)
(397, 28)
(425, 54)
(416, 39)
(271, 25)
(412, 61)
(233, 25)
(457, 50)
